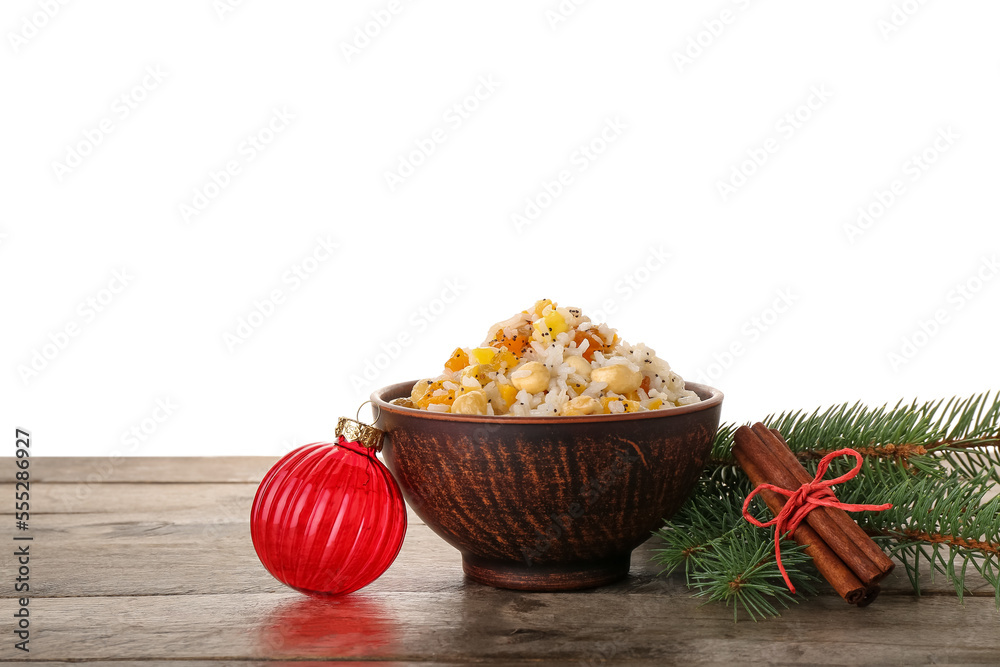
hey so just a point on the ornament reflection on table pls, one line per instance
(328, 518)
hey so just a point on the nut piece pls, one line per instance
(582, 405)
(579, 365)
(472, 403)
(620, 378)
(532, 377)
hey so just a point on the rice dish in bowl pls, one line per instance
(551, 361)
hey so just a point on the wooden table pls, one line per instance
(149, 560)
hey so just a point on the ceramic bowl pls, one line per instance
(546, 503)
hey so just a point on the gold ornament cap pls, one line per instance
(354, 431)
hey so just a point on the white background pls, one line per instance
(696, 90)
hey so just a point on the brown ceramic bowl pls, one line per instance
(546, 503)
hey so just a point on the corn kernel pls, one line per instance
(508, 393)
(505, 357)
(484, 355)
(552, 325)
(478, 372)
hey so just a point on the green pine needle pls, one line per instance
(724, 558)
(743, 570)
(937, 462)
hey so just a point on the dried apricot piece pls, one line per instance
(459, 360)
(596, 343)
(429, 398)
(515, 344)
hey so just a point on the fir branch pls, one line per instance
(727, 560)
(947, 517)
(937, 462)
(966, 432)
(743, 570)
(914, 536)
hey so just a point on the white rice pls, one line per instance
(665, 390)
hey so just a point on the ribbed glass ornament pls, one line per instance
(328, 518)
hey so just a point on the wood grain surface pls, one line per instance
(153, 564)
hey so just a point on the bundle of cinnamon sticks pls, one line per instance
(842, 552)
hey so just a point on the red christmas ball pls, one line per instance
(328, 518)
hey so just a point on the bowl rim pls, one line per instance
(380, 398)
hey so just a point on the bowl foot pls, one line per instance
(567, 577)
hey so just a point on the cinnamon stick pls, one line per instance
(830, 566)
(775, 472)
(843, 519)
(841, 532)
(870, 595)
(766, 457)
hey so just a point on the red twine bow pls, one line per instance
(805, 499)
